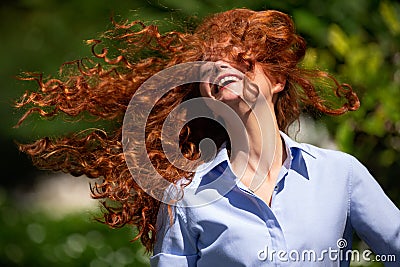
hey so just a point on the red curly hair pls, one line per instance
(104, 90)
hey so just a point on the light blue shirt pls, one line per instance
(320, 198)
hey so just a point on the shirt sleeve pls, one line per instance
(175, 245)
(373, 215)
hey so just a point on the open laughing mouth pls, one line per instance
(222, 82)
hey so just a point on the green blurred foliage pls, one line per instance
(30, 237)
(357, 40)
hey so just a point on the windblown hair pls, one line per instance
(103, 90)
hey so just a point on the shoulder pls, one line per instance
(331, 156)
(315, 154)
(325, 154)
(324, 157)
(328, 163)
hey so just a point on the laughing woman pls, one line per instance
(290, 204)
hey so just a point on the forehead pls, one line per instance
(232, 19)
(231, 36)
(223, 27)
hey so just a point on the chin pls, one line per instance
(227, 96)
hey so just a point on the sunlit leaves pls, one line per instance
(390, 14)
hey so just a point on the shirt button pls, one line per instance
(276, 188)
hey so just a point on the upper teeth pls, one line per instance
(228, 78)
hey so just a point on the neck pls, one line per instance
(260, 158)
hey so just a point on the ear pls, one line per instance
(278, 86)
(278, 82)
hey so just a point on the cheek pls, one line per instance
(251, 90)
(265, 87)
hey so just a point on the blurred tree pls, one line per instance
(32, 238)
(362, 46)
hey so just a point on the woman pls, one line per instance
(265, 203)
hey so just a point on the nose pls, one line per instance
(222, 65)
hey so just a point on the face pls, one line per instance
(236, 89)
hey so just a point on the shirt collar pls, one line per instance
(222, 155)
(292, 145)
(295, 155)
